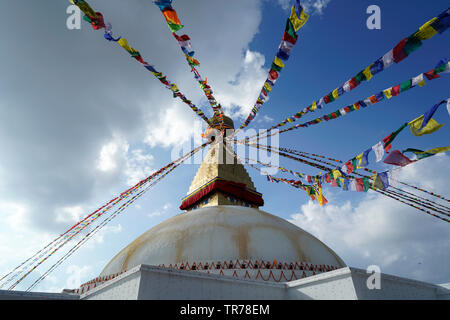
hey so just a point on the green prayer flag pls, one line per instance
(440, 68)
(412, 44)
(405, 85)
(290, 29)
(419, 153)
(175, 27)
(86, 18)
(330, 96)
(360, 77)
(366, 183)
(394, 134)
(276, 67)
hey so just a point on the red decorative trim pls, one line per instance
(239, 190)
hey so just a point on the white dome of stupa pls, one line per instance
(223, 233)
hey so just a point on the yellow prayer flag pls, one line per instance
(336, 174)
(426, 31)
(124, 44)
(367, 73)
(377, 183)
(313, 106)
(436, 150)
(335, 93)
(359, 158)
(85, 8)
(320, 196)
(267, 87)
(431, 126)
(278, 62)
(387, 93)
(296, 21)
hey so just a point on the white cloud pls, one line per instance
(13, 215)
(239, 94)
(76, 274)
(310, 6)
(69, 214)
(99, 237)
(162, 211)
(110, 154)
(138, 166)
(381, 231)
(175, 127)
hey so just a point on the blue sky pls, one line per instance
(69, 97)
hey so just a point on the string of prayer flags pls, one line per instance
(425, 154)
(184, 41)
(379, 184)
(402, 50)
(390, 138)
(396, 157)
(296, 20)
(359, 105)
(390, 173)
(72, 232)
(97, 21)
(109, 219)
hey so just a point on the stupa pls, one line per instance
(222, 246)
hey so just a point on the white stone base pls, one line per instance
(146, 282)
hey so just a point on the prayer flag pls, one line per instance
(426, 31)
(418, 80)
(379, 151)
(298, 19)
(418, 129)
(397, 158)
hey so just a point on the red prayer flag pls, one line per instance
(397, 158)
(395, 90)
(430, 75)
(398, 53)
(273, 74)
(184, 37)
(352, 83)
(287, 37)
(139, 58)
(373, 99)
(326, 99)
(349, 166)
(359, 185)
